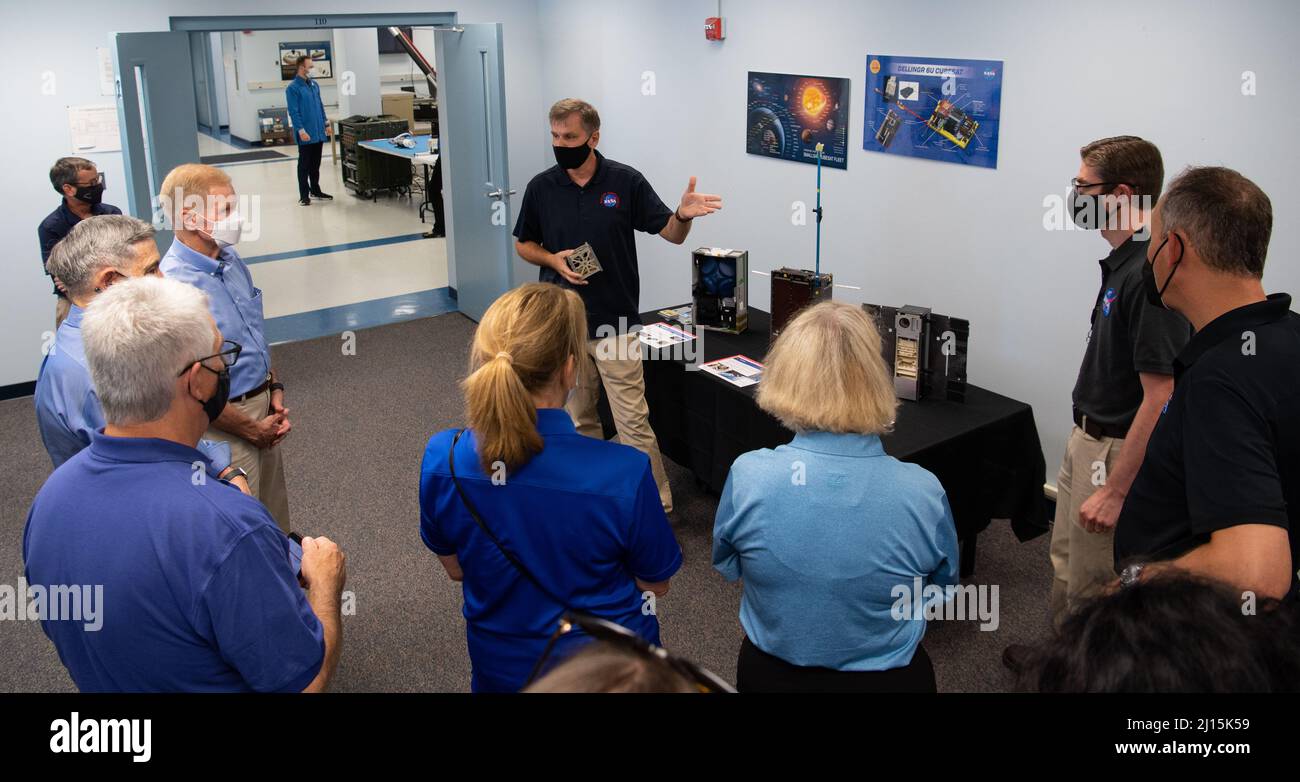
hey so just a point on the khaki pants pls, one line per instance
(615, 362)
(263, 465)
(1082, 562)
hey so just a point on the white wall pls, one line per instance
(965, 241)
(258, 55)
(38, 39)
(358, 53)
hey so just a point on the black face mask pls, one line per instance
(1087, 211)
(91, 194)
(570, 158)
(1155, 293)
(217, 402)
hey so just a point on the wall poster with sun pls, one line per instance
(788, 116)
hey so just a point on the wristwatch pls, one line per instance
(275, 387)
(678, 214)
(232, 472)
(1130, 575)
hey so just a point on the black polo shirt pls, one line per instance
(559, 215)
(1128, 336)
(59, 222)
(1226, 450)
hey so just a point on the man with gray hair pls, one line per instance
(206, 592)
(96, 253)
(1218, 495)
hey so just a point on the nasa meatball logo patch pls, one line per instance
(609, 200)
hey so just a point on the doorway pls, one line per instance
(360, 265)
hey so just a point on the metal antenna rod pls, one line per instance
(818, 258)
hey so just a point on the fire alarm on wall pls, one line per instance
(713, 28)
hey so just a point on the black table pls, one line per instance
(985, 450)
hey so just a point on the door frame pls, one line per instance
(237, 22)
(439, 19)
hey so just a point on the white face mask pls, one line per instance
(226, 231)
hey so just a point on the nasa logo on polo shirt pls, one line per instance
(1107, 300)
(609, 200)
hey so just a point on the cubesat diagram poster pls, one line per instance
(788, 116)
(934, 108)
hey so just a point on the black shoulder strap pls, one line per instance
(505, 552)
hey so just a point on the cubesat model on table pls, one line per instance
(794, 289)
(925, 351)
(720, 289)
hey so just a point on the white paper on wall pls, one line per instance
(107, 79)
(94, 128)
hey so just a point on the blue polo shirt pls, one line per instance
(198, 591)
(236, 305)
(821, 558)
(67, 410)
(583, 515)
(306, 111)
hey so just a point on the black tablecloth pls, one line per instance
(985, 450)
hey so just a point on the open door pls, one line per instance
(155, 111)
(472, 142)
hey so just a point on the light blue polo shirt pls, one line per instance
(198, 593)
(822, 531)
(583, 515)
(236, 305)
(67, 410)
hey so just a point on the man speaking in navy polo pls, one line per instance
(587, 198)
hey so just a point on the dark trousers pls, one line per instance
(758, 671)
(309, 168)
(435, 197)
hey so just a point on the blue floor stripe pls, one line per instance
(225, 136)
(333, 248)
(362, 315)
(254, 162)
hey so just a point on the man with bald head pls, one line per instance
(200, 204)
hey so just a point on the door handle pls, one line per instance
(500, 193)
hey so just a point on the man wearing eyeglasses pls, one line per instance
(201, 204)
(204, 592)
(81, 185)
(1126, 375)
(97, 253)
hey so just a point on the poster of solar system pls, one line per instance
(934, 108)
(788, 116)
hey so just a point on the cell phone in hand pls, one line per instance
(295, 554)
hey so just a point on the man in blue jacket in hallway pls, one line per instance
(307, 115)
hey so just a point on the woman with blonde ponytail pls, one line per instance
(565, 522)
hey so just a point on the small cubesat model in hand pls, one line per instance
(583, 262)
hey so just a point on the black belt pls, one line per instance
(1097, 429)
(265, 385)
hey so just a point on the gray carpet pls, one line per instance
(360, 426)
